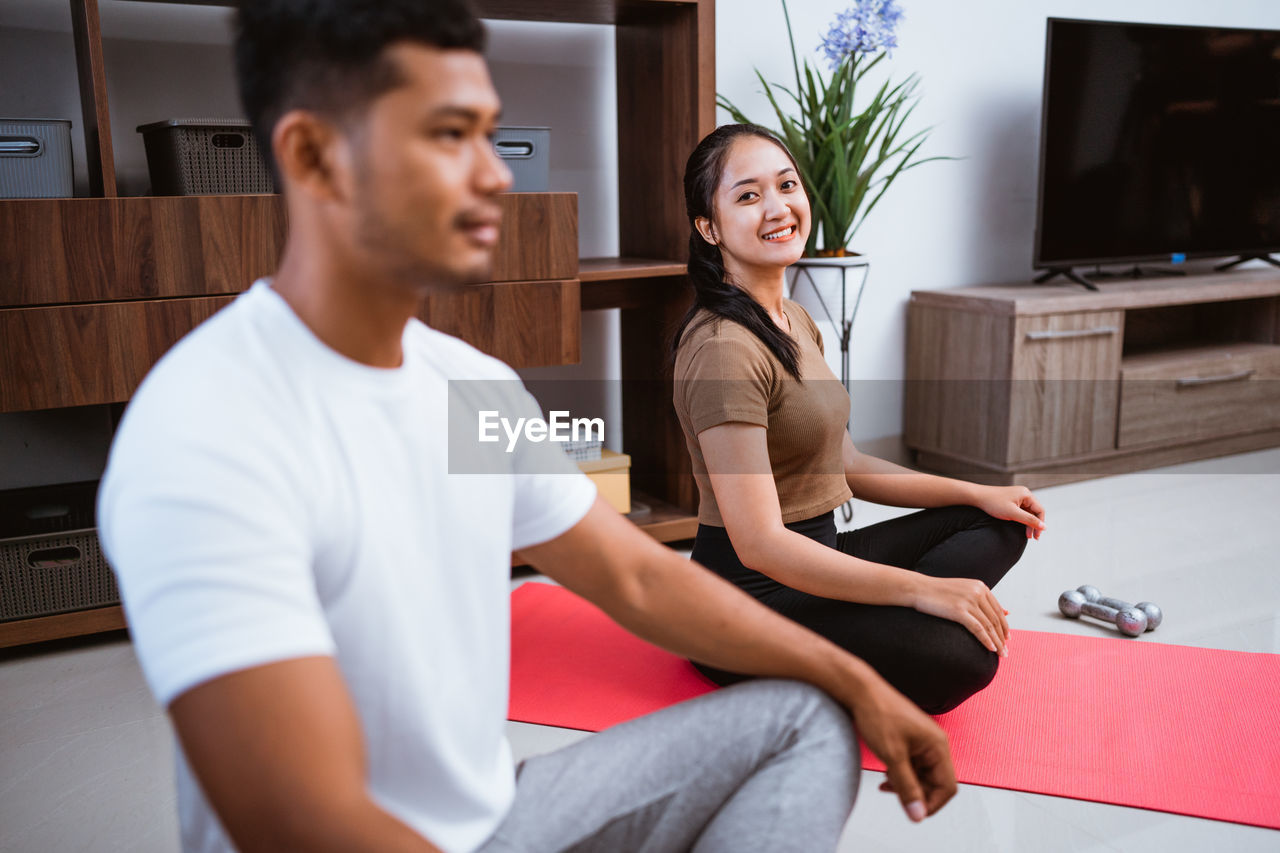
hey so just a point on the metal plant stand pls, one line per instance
(842, 322)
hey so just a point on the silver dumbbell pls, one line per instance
(1153, 613)
(1130, 620)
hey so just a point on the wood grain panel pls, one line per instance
(571, 11)
(632, 292)
(666, 104)
(539, 237)
(60, 251)
(665, 79)
(706, 115)
(957, 393)
(526, 324)
(1205, 392)
(84, 355)
(615, 269)
(562, 11)
(91, 70)
(665, 522)
(1028, 299)
(1064, 396)
(23, 631)
(660, 463)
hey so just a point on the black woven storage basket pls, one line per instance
(50, 559)
(204, 156)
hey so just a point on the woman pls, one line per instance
(764, 419)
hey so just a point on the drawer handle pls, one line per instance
(514, 150)
(1210, 380)
(19, 146)
(1059, 334)
(54, 558)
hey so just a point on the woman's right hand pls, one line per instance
(969, 602)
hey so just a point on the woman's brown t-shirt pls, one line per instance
(725, 374)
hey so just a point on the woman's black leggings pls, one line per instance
(935, 662)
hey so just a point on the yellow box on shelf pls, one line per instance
(612, 475)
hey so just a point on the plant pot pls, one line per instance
(830, 289)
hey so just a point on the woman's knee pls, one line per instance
(950, 670)
(961, 683)
(1012, 537)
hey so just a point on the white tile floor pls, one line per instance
(85, 753)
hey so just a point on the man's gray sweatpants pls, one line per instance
(760, 766)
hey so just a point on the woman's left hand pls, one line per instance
(1013, 503)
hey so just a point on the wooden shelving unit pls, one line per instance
(101, 287)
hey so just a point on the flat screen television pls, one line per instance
(1157, 143)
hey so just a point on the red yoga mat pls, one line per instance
(1130, 722)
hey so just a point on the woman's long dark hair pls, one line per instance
(711, 291)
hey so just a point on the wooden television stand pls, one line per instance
(1049, 384)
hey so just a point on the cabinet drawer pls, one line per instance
(524, 323)
(1063, 394)
(83, 355)
(1199, 393)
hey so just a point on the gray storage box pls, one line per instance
(35, 158)
(527, 153)
(50, 559)
(204, 156)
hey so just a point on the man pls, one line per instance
(323, 607)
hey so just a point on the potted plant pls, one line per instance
(848, 156)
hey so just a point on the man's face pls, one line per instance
(425, 172)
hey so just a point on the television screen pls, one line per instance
(1158, 141)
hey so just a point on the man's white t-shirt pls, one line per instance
(267, 498)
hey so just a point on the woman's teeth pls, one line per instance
(778, 235)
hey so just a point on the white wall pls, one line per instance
(945, 224)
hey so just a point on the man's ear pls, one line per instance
(311, 155)
(706, 229)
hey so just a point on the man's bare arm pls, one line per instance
(279, 753)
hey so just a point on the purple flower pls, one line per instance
(863, 29)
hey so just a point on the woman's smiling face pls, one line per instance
(762, 216)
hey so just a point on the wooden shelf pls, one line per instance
(23, 631)
(630, 282)
(1024, 300)
(573, 11)
(1191, 355)
(618, 269)
(666, 522)
(553, 11)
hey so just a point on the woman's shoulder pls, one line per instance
(711, 332)
(707, 327)
(797, 312)
(710, 337)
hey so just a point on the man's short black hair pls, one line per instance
(327, 55)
